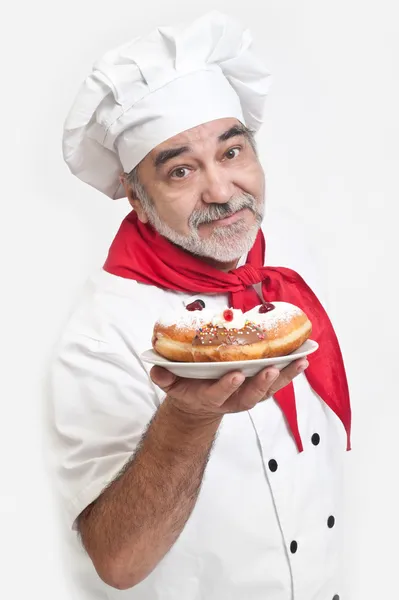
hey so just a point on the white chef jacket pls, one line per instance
(267, 524)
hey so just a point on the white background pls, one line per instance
(330, 149)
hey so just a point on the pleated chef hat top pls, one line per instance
(152, 88)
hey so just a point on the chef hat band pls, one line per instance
(198, 98)
(152, 88)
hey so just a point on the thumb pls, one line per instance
(162, 378)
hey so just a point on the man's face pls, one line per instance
(204, 190)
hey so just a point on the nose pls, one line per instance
(218, 188)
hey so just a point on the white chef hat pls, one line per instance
(152, 88)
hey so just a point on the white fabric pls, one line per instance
(236, 544)
(152, 88)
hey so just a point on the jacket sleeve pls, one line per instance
(102, 401)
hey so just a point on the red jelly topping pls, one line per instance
(196, 305)
(228, 315)
(266, 307)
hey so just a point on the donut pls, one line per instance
(197, 334)
(174, 332)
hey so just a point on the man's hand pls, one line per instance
(232, 393)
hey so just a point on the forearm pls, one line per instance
(129, 529)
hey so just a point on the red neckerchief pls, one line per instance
(138, 252)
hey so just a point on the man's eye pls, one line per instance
(180, 172)
(232, 153)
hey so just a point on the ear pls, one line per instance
(133, 200)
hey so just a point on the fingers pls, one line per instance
(163, 378)
(219, 391)
(264, 385)
(231, 393)
(287, 375)
(197, 391)
(253, 391)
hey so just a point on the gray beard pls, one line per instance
(226, 243)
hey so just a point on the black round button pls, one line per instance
(336, 597)
(315, 439)
(331, 522)
(273, 466)
(294, 547)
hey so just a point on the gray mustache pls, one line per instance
(221, 211)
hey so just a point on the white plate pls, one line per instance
(215, 370)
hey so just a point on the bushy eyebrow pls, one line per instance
(165, 155)
(234, 132)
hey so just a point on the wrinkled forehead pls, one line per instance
(202, 139)
(204, 132)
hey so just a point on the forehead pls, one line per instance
(197, 135)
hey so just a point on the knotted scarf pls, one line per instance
(138, 252)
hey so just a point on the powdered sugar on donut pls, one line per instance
(282, 313)
(186, 319)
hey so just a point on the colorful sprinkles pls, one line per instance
(215, 334)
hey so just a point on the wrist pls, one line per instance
(187, 421)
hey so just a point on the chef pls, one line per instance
(187, 489)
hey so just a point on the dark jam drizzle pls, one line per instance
(266, 307)
(196, 305)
